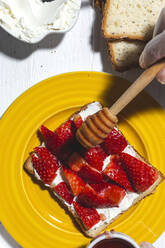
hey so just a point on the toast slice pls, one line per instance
(99, 218)
(125, 54)
(131, 19)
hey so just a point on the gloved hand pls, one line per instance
(146, 245)
(155, 48)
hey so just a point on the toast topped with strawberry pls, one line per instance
(98, 184)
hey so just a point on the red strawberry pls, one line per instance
(47, 172)
(58, 142)
(78, 121)
(66, 131)
(90, 175)
(88, 216)
(51, 140)
(111, 193)
(47, 157)
(114, 143)
(141, 174)
(75, 182)
(63, 191)
(95, 157)
(83, 169)
(101, 195)
(116, 172)
(90, 198)
(76, 162)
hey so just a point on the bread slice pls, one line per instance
(125, 54)
(110, 213)
(131, 19)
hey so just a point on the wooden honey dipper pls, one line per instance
(97, 126)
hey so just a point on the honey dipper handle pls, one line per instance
(141, 82)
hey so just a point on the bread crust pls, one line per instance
(94, 232)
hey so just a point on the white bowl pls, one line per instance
(32, 20)
(110, 235)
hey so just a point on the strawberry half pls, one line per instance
(141, 174)
(47, 157)
(66, 132)
(95, 157)
(111, 193)
(76, 162)
(114, 143)
(78, 121)
(90, 175)
(58, 142)
(75, 182)
(83, 169)
(88, 216)
(47, 172)
(51, 140)
(116, 172)
(101, 195)
(62, 190)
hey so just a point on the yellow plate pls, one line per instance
(28, 211)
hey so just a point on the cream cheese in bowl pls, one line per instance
(32, 20)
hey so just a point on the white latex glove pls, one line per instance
(146, 245)
(155, 48)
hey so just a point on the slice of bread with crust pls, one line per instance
(125, 54)
(131, 19)
(111, 213)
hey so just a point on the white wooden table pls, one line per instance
(83, 48)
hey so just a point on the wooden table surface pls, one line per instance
(82, 49)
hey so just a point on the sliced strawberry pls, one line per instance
(111, 193)
(58, 142)
(90, 175)
(63, 191)
(83, 169)
(101, 195)
(90, 198)
(78, 121)
(53, 143)
(75, 182)
(76, 162)
(116, 172)
(66, 131)
(141, 174)
(95, 157)
(47, 172)
(88, 216)
(114, 143)
(47, 157)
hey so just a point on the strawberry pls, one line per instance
(114, 143)
(75, 182)
(116, 172)
(101, 195)
(111, 193)
(66, 131)
(78, 121)
(51, 140)
(63, 191)
(46, 171)
(88, 216)
(76, 162)
(90, 175)
(90, 198)
(58, 142)
(141, 174)
(47, 157)
(83, 169)
(95, 157)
